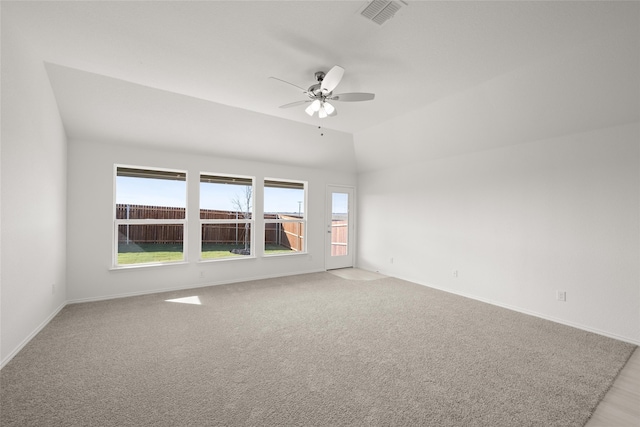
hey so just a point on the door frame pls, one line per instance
(332, 263)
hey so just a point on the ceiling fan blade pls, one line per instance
(293, 104)
(284, 81)
(353, 97)
(331, 79)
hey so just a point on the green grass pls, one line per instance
(276, 249)
(218, 251)
(145, 253)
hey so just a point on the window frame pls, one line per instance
(149, 221)
(302, 219)
(251, 221)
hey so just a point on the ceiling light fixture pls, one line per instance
(322, 92)
(329, 108)
(323, 108)
(315, 106)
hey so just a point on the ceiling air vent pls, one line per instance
(380, 11)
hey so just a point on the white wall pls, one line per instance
(33, 230)
(518, 223)
(590, 86)
(90, 227)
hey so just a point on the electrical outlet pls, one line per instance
(53, 289)
(202, 274)
(455, 273)
(561, 296)
(391, 261)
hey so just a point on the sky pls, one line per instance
(162, 192)
(150, 192)
(340, 203)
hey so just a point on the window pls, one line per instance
(339, 224)
(226, 216)
(149, 216)
(284, 217)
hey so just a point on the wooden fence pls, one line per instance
(124, 211)
(288, 234)
(153, 234)
(339, 237)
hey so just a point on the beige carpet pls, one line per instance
(308, 350)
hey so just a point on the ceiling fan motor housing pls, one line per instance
(315, 90)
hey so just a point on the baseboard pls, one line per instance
(31, 335)
(193, 286)
(529, 312)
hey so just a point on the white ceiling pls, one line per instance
(163, 72)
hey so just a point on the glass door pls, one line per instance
(339, 249)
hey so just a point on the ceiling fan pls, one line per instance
(322, 92)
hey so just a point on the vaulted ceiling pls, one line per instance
(195, 75)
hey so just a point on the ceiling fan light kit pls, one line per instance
(320, 93)
(315, 106)
(330, 109)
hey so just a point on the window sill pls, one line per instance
(148, 265)
(238, 258)
(285, 255)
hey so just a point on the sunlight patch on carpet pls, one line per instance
(186, 300)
